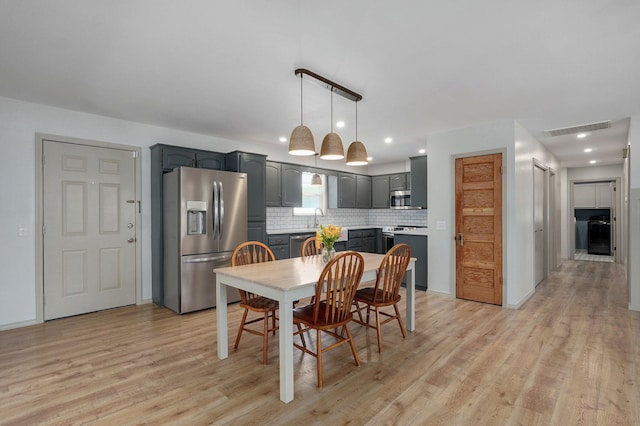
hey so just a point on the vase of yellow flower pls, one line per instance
(326, 236)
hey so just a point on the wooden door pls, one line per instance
(479, 228)
(89, 229)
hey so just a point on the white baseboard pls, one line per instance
(521, 302)
(439, 292)
(18, 324)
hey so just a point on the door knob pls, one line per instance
(131, 239)
(460, 239)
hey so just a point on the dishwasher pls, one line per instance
(295, 243)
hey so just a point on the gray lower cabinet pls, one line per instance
(419, 182)
(418, 244)
(340, 246)
(279, 245)
(363, 240)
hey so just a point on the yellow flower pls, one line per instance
(327, 236)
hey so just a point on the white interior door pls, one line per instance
(89, 228)
(538, 223)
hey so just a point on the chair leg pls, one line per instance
(265, 337)
(358, 309)
(378, 331)
(244, 319)
(319, 356)
(301, 334)
(353, 347)
(273, 321)
(404, 331)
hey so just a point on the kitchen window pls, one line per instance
(313, 196)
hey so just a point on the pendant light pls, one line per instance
(316, 179)
(301, 140)
(357, 153)
(332, 144)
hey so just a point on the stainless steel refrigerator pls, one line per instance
(205, 218)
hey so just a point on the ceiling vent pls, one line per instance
(579, 129)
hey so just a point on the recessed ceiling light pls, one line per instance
(340, 124)
(588, 150)
(283, 139)
(388, 140)
(581, 135)
(593, 161)
(422, 151)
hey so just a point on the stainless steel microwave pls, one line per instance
(400, 199)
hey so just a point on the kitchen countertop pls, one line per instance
(417, 231)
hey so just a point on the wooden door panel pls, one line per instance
(479, 223)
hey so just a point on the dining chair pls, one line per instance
(247, 253)
(385, 291)
(331, 309)
(309, 247)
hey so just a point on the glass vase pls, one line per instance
(328, 254)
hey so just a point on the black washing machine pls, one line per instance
(599, 235)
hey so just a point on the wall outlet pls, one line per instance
(441, 225)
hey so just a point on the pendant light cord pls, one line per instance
(331, 90)
(301, 123)
(356, 120)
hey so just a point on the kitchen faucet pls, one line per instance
(315, 217)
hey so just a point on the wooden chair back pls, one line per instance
(251, 252)
(309, 247)
(392, 269)
(336, 288)
(247, 253)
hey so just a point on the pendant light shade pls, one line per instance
(316, 179)
(332, 148)
(357, 154)
(301, 140)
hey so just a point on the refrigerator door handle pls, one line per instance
(206, 259)
(221, 205)
(214, 221)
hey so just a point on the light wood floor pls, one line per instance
(570, 355)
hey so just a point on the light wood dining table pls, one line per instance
(286, 281)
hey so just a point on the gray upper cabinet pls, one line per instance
(398, 182)
(291, 185)
(254, 165)
(173, 157)
(273, 184)
(380, 192)
(419, 182)
(346, 191)
(209, 160)
(363, 192)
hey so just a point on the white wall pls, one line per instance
(634, 214)
(527, 149)
(519, 149)
(19, 122)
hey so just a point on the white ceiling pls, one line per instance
(226, 68)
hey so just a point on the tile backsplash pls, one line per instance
(282, 218)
